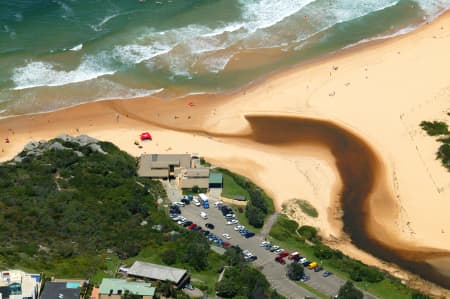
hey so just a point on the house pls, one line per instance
(112, 288)
(194, 177)
(61, 290)
(16, 284)
(215, 180)
(163, 165)
(179, 277)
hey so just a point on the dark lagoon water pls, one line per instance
(359, 168)
(57, 53)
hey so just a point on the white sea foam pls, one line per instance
(77, 48)
(41, 73)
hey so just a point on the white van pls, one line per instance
(203, 215)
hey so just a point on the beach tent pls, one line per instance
(146, 136)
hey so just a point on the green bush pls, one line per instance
(309, 232)
(435, 128)
(254, 215)
(348, 291)
(307, 208)
(295, 271)
(169, 257)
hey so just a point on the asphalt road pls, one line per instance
(274, 272)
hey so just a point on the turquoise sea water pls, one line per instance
(56, 53)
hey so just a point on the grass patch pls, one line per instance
(307, 208)
(231, 188)
(284, 234)
(312, 290)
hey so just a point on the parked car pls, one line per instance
(226, 236)
(252, 258)
(192, 226)
(185, 201)
(318, 268)
(283, 254)
(249, 235)
(187, 223)
(239, 227)
(234, 221)
(312, 265)
(280, 260)
(274, 247)
(180, 204)
(196, 202)
(203, 215)
(209, 225)
(305, 278)
(226, 244)
(293, 255)
(197, 228)
(327, 273)
(278, 251)
(264, 243)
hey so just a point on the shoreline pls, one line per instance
(306, 91)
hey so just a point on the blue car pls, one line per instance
(327, 273)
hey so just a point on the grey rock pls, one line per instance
(84, 140)
(97, 148)
(56, 146)
(31, 145)
(78, 153)
(65, 137)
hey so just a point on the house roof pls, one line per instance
(215, 178)
(156, 272)
(137, 288)
(60, 290)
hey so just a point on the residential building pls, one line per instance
(16, 284)
(112, 288)
(179, 277)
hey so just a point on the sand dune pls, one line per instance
(379, 93)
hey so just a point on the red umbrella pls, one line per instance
(146, 136)
(190, 104)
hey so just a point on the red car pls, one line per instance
(280, 260)
(226, 244)
(191, 226)
(293, 255)
(283, 254)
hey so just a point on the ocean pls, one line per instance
(59, 53)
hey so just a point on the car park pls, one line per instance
(327, 273)
(226, 236)
(209, 225)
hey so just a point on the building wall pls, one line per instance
(191, 182)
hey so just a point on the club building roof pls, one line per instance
(157, 272)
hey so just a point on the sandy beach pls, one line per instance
(379, 92)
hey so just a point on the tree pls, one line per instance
(234, 255)
(295, 271)
(129, 295)
(348, 291)
(254, 215)
(195, 189)
(227, 288)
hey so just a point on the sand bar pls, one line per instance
(379, 92)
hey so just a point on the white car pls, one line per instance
(247, 253)
(234, 221)
(196, 202)
(264, 243)
(180, 204)
(226, 236)
(217, 203)
(278, 251)
(238, 227)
